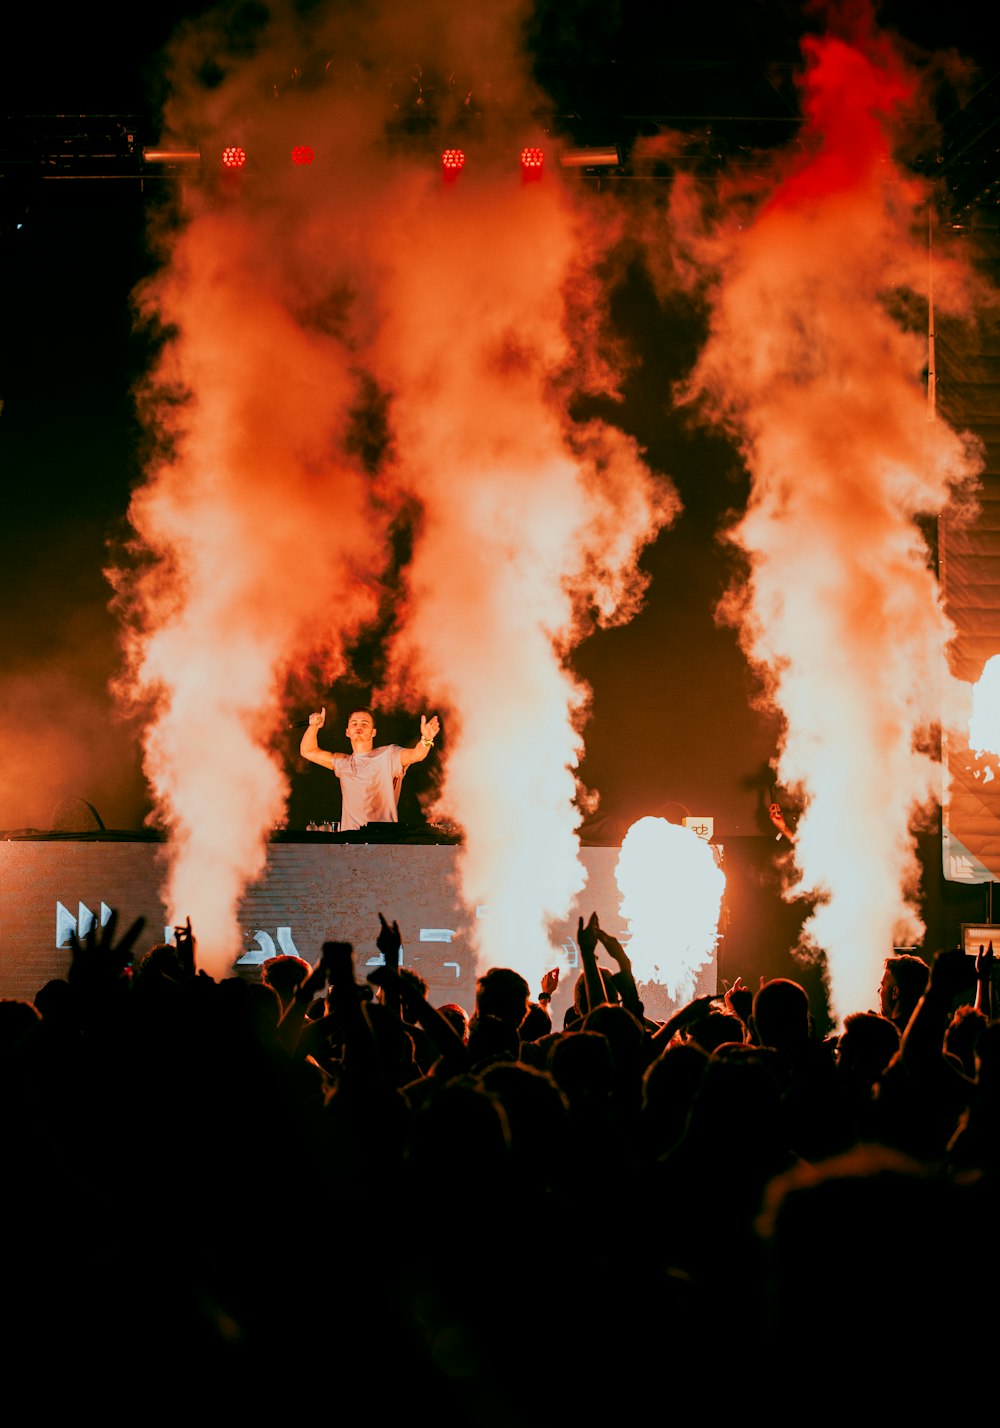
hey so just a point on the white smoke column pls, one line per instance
(255, 533)
(526, 523)
(811, 364)
(671, 889)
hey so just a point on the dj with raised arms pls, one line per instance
(370, 777)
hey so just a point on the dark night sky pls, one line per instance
(672, 722)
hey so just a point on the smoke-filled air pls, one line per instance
(816, 361)
(300, 306)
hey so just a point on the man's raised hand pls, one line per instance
(389, 942)
(587, 934)
(550, 982)
(613, 948)
(97, 958)
(187, 946)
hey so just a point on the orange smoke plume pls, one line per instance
(527, 525)
(812, 364)
(284, 297)
(255, 531)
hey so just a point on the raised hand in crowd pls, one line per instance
(739, 1000)
(292, 1029)
(948, 981)
(347, 1003)
(390, 943)
(623, 979)
(403, 996)
(683, 1017)
(99, 962)
(341, 1036)
(587, 938)
(984, 981)
(550, 985)
(187, 948)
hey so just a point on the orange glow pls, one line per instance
(811, 366)
(671, 889)
(233, 157)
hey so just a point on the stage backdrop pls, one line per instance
(968, 362)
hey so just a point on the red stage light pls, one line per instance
(452, 162)
(302, 154)
(234, 157)
(531, 162)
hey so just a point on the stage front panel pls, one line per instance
(310, 892)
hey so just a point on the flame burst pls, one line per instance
(984, 720)
(671, 889)
(284, 299)
(810, 363)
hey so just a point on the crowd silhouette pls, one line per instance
(309, 1193)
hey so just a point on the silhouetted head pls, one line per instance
(582, 1066)
(285, 974)
(716, 1028)
(414, 981)
(161, 960)
(629, 1047)
(19, 1022)
(580, 991)
(963, 1035)
(492, 1039)
(502, 993)
(866, 1046)
(536, 1112)
(904, 979)
(458, 1017)
(536, 1023)
(55, 1001)
(669, 1087)
(781, 1013)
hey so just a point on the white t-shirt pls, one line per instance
(369, 785)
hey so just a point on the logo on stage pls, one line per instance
(79, 922)
(265, 946)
